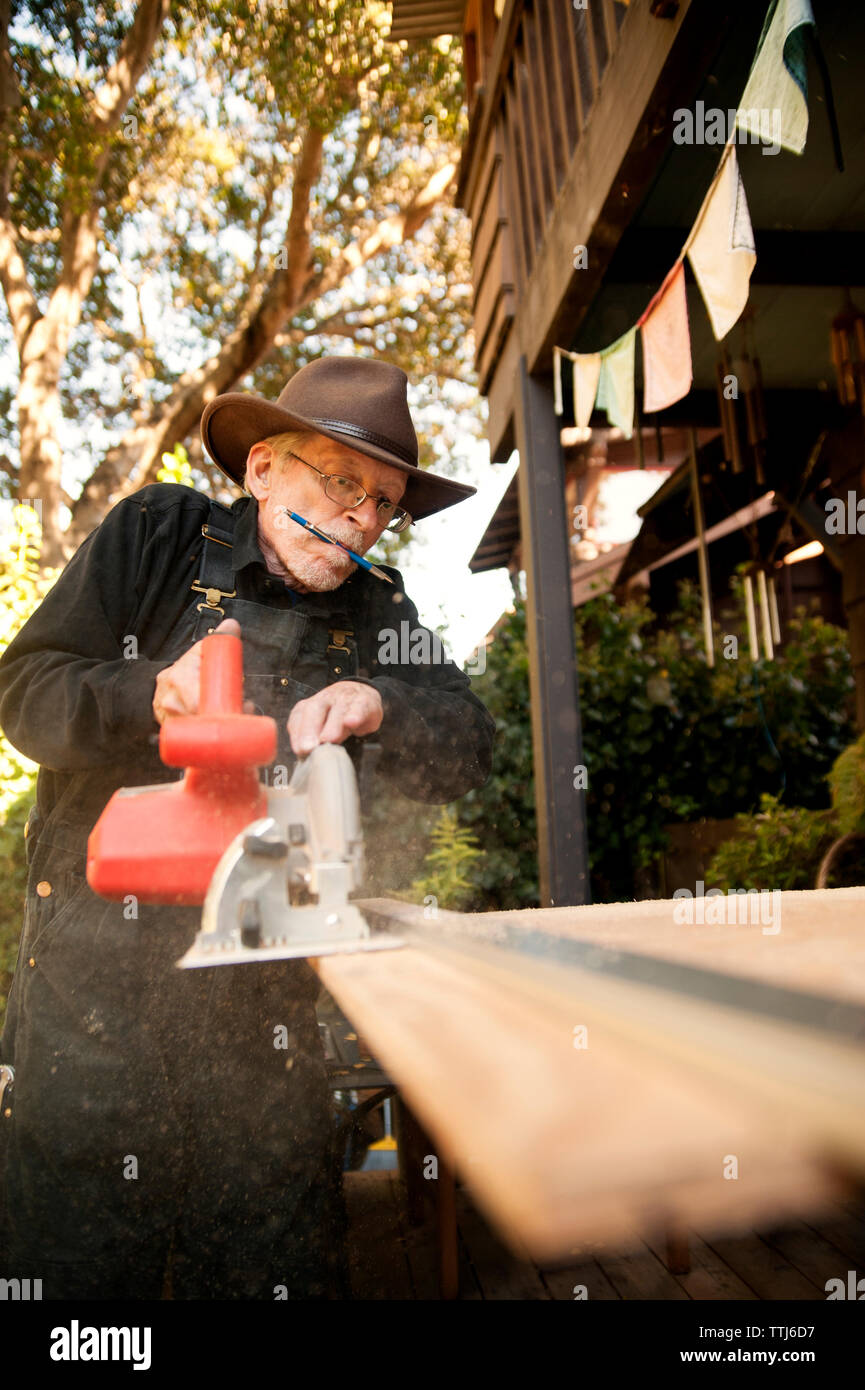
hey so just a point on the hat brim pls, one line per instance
(232, 423)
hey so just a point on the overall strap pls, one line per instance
(215, 575)
(349, 644)
(341, 649)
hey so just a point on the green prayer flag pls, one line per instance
(774, 104)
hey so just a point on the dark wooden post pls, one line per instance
(554, 692)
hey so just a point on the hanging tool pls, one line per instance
(274, 867)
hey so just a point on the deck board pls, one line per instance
(562, 1283)
(710, 1278)
(392, 1259)
(640, 1274)
(844, 1229)
(763, 1268)
(500, 1274)
(811, 1253)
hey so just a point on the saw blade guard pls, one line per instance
(327, 780)
(281, 889)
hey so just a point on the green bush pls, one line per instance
(847, 780)
(21, 589)
(448, 864)
(501, 814)
(780, 847)
(666, 738)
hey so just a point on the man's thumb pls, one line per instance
(229, 625)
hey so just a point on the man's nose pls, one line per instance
(365, 514)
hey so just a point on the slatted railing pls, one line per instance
(543, 101)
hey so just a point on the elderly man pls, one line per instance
(155, 1137)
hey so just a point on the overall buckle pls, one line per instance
(212, 597)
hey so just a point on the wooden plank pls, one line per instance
(562, 1281)
(511, 193)
(487, 355)
(844, 1232)
(539, 95)
(610, 29)
(812, 1254)
(561, 112)
(565, 1145)
(517, 182)
(763, 1269)
(489, 228)
(499, 389)
(491, 157)
(487, 111)
(531, 152)
(586, 43)
(497, 282)
(639, 1274)
(820, 946)
(573, 58)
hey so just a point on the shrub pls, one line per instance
(666, 738)
(448, 863)
(847, 780)
(21, 589)
(780, 847)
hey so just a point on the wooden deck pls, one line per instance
(391, 1259)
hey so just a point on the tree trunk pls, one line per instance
(41, 456)
(43, 339)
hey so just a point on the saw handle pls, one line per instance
(220, 736)
(221, 679)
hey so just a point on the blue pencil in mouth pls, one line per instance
(322, 535)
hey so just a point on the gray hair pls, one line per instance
(284, 444)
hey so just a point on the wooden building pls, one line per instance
(580, 200)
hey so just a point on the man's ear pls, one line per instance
(259, 468)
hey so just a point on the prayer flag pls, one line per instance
(721, 246)
(587, 370)
(557, 380)
(616, 382)
(774, 103)
(667, 344)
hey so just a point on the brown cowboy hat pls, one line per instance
(357, 401)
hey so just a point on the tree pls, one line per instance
(192, 196)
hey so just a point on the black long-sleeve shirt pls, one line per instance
(72, 700)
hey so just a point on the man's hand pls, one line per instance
(333, 715)
(177, 687)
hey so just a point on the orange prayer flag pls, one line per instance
(667, 371)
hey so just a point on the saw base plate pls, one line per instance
(197, 957)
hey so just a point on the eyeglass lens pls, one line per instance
(347, 493)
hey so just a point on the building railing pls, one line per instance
(553, 57)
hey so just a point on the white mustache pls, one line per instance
(353, 539)
(350, 537)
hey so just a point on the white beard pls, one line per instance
(321, 572)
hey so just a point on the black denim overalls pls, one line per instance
(157, 1110)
